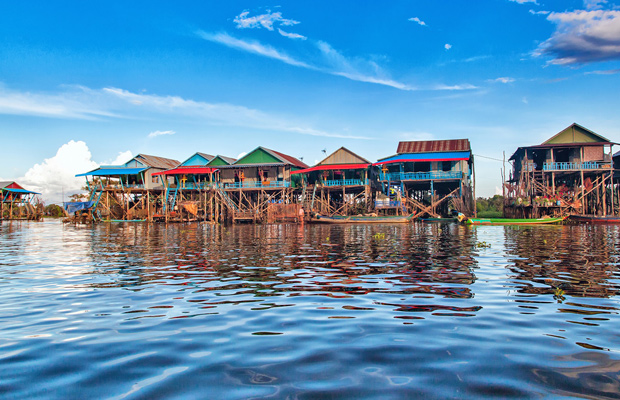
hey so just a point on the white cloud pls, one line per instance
(504, 79)
(539, 12)
(267, 21)
(465, 86)
(160, 133)
(594, 4)
(291, 35)
(525, 101)
(524, 1)
(604, 72)
(447, 46)
(241, 155)
(418, 20)
(583, 37)
(66, 105)
(119, 103)
(57, 174)
(121, 158)
(252, 47)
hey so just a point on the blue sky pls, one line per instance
(85, 83)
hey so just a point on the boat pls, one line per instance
(388, 219)
(438, 219)
(595, 219)
(514, 221)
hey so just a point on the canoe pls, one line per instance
(124, 220)
(438, 219)
(513, 221)
(391, 219)
(594, 219)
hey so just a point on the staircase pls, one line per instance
(95, 197)
(171, 198)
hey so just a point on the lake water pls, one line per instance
(139, 311)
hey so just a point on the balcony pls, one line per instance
(345, 182)
(575, 166)
(257, 185)
(420, 176)
(197, 185)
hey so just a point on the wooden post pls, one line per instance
(583, 204)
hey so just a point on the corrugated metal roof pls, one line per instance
(433, 146)
(229, 160)
(209, 157)
(426, 157)
(343, 156)
(186, 170)
(157, 162)
(19, 190)
(113, 171)
(5, 183)
(287, 159)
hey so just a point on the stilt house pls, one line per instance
(338, 185)
(257, 180)
(17, 202)
(428, 177)
(128, 191)
(570, 173)
(190, 187)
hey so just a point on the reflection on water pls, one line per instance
(335, 311)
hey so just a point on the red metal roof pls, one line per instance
(187, 170)
(433, 146)
(332, 167)
(290, 159)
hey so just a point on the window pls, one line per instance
(446, 166)
(155, 179)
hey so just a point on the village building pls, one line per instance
(427, 178)
(18, 203)
(338, 185)
(569, 174)
(260, 186)
(190, 188)
(131, 191)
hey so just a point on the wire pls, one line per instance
(490, 158)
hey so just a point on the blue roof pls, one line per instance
(18, 190)
(104, 171)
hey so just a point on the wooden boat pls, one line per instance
(595, 219)
(337, 219)
(438, 219)
(513, 221)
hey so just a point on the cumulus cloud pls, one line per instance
(594, 4)
(160, 133)
(447, 46)
(121, 158)
(583, 37)
(418, 21)
(55, 176)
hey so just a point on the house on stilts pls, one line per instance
(431, 178)
(570, 173)
(338, 185)
(18, 203)
(191, 188)
(259, 187)
(131, 191)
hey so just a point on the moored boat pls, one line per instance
(438, 219)
(514, 221)
(337, 219)
(595, 219)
